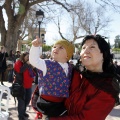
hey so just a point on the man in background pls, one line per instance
(3, 65)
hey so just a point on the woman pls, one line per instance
(23, 71)
(10, 65)
(94, 92)
(12, 56)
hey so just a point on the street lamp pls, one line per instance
(39, 15)
(44, 42)
(42, 37)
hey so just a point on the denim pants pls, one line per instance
(24, 102)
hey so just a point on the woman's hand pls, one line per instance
(37, 42)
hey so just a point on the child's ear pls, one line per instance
(67, 57)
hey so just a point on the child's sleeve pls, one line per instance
(35, 60)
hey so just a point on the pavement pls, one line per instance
(13, 115)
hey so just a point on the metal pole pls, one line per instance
(39, 28)
(39, 33)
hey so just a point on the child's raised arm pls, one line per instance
(35, 53)
(37, 42)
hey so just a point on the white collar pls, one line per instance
(64, 66)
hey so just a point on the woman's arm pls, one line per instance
(96, 109)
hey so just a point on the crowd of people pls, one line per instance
(88, 90)
(7, 61)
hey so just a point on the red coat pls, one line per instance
(86, 102)
(27, 79)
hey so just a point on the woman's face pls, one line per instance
(26, 58)
(91, 57)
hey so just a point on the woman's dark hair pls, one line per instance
(10, 54)
(22, 56)
(104, 48)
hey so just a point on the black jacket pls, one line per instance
(3, 60)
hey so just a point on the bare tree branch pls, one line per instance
(115, 5)
(59, 3)
(60, 31)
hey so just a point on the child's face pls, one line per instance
(59, 53)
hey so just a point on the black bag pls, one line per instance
(17, 90)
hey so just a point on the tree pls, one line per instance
(115, 5)
(16, 10)
(29, 25)
(117, 41)
(83, 20)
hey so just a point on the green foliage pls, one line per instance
(21, 9)
(117, 37)
(117, 41)
(116, 49)
(46, 48)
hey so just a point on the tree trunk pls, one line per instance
(2, 28)
(11, 40)
(10, 34)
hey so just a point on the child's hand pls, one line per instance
(37, 42)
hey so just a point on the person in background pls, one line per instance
(24, 76)
(3, 66)
(12, 56)
(117, 70)
(54, 76)
(12, 60)
(79, 66)
(117, 67)
(17, 55)
(93, 92)
(76, 56)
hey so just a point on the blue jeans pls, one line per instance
(24, 102)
